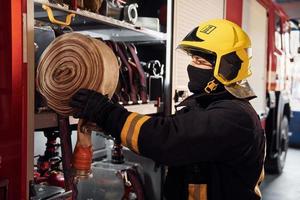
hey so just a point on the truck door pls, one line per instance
(255, 23)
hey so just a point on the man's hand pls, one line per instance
(91, 106)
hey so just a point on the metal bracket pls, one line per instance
(55, 21)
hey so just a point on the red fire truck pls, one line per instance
(265, 22)
(272, 64)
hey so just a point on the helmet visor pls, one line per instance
(210, 56)
(230, 65)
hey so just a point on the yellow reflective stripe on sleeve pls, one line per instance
(131, 130)
(125, 128)
(197, 192)
(137, 128)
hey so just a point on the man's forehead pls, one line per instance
(196, 57)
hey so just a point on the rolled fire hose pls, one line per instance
(73, 61)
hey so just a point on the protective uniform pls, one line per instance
(214, 146)
(228, 151)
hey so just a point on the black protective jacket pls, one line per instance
(214, 147)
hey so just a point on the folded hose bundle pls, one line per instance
(73, 61)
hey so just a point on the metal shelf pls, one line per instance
(50, 119)
(145, 109)
(45, 120)
(96, 25)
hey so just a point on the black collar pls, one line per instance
(203, 100)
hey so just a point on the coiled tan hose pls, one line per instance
(70, 62)
(74, 61)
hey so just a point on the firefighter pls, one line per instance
(214, 146)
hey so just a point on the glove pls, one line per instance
(91, 106)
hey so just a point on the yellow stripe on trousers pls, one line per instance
(197, 192)
(261, 178)
(131, 130)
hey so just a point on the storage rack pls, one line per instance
(97, 26)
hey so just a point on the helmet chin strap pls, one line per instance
(211, 86)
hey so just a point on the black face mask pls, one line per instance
(198, 79)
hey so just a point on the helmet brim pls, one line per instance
(189, 48)
(241, 90)
(210, 56)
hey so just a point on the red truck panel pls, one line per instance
(234, 11)
(13, 101)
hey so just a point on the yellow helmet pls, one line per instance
(230, 47)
